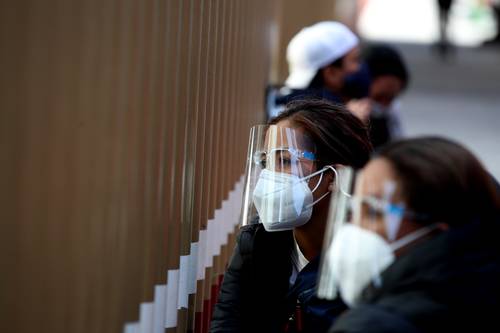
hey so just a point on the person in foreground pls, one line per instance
(415, 248)
(270, 282)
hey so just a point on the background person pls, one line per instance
(443, 45)
(319, 58)
(383, 77)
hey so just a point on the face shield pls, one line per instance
(361, 236)
(278, 188)
(361, 222)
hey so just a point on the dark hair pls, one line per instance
(340, 137)
(386, 60)
(442, 181)
(318, 82)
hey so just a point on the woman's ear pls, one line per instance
(331, 186)
(330, 179)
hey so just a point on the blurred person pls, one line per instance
(415, 249)
(269, 285)
(383, 77)
(495, 6)
(443, 45)
(320, 57)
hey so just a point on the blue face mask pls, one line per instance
(357, 85)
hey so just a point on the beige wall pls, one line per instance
(123, 127)
(293, 16)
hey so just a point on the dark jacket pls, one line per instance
(450, 283)
(255, 295)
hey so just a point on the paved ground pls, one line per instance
(459, 98)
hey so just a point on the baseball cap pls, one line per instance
(315, 47)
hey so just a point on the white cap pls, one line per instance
(315, 47)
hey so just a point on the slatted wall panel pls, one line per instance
(123, 134)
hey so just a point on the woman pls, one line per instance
(269, 285)
(382, 78)
(420, 252)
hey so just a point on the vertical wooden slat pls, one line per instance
(36, 150)
(152, 102)
(173, 128)
(113, 127)
(226, 176)
(134, 230)
(178, 126)
(210, 177)
(166, 134)
(147, 147)
(159, 168)
(219, 133)
(196, 142)
(185, 185)
(202, 175)
(120, 165)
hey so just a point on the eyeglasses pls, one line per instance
(282, 157)
(374, 207)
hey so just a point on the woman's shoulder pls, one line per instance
(255, 234)
(246, 237)
(372, 319)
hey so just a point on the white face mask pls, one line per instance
(284, 201)
(358, 257)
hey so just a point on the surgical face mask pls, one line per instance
(284, 201)
(359, 256)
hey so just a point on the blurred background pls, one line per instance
(124, 131)
(454, 94)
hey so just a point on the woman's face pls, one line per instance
(288, 149)
(303, 166)
(384, 89)
(373, 184)
(378, 177)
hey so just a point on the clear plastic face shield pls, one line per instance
(361, 235)
(279, 185)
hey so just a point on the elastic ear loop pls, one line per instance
(405, 240)
(321, 178)
(312, 175)
(307, 178)
(337, 182)
(319, 181)
(317, 185)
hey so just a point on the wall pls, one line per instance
(123, 135)
(293, 15)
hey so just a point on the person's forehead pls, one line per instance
(354, 52)
(374, 178)
(388, 81)
(284, 134)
